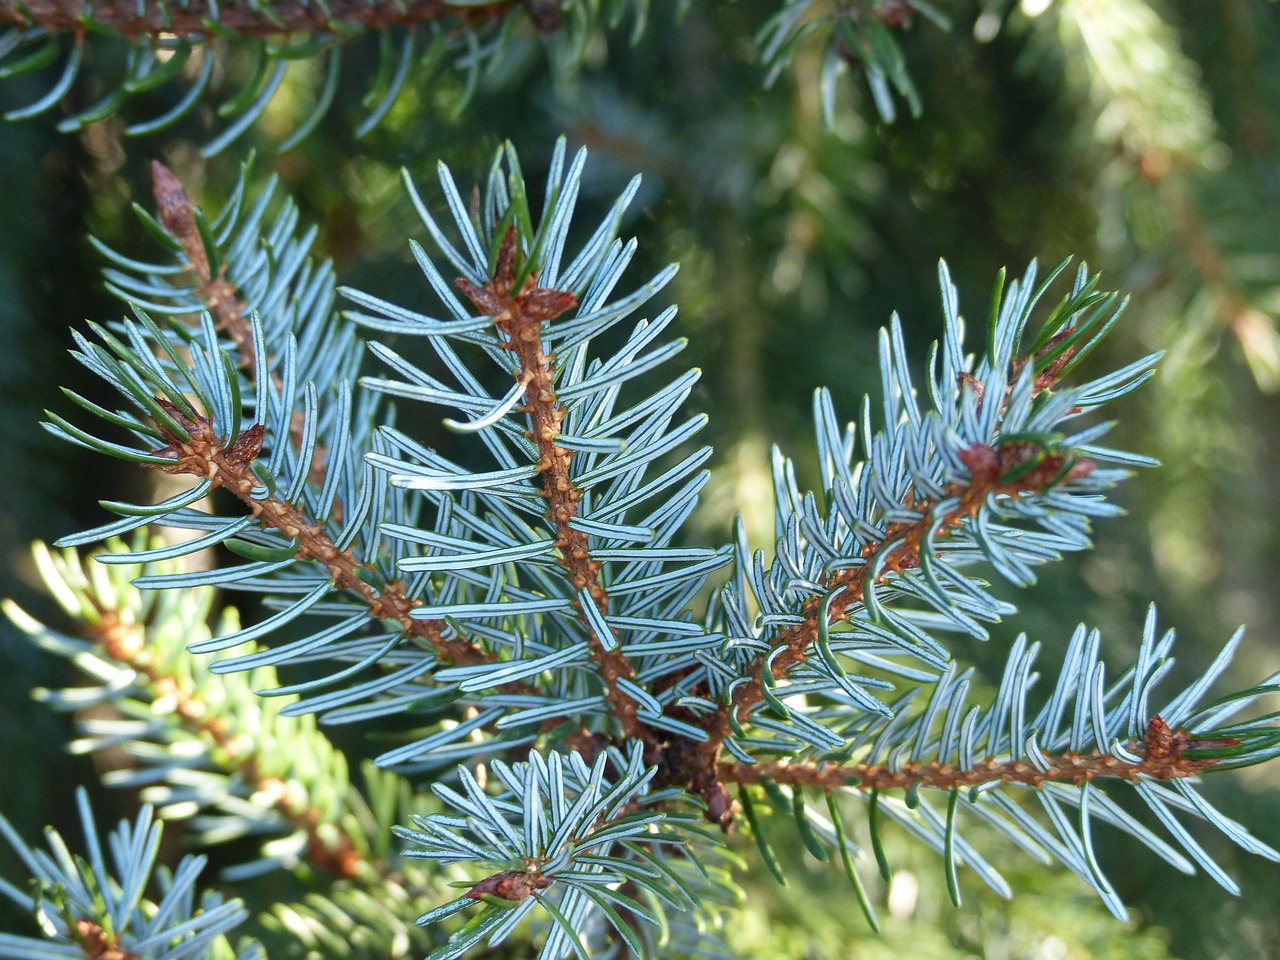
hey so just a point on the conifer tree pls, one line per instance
(428, 620)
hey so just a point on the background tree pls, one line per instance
(1140, 136)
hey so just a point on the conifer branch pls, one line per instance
(519, 308)
(235, 750)
(178, 216)
(203, 454)
(258, 770)
(183, 220)
(1161, 753)
(84, 907)
(696, 765)
(1010, 470)
(502, 574)
(201, 19)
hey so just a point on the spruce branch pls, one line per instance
(207, 748)
(208, 458)
(158, 39)
(97, 910)
(1160, 755)
(1015, 467)
(1008, 471)
(520, 314)
(1088, 739)
(237, 756)
(588, 847)
(187, 225)
(202, 453)
(180, 217)
(205, 20)
(189, 228)
(243, 745)
(567, 646)
(697, 765)
(568, 454)
(235, 749)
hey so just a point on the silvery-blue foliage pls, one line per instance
(579, 823)
(77, 899)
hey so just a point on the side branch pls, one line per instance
(201, 19)
(900, 548)
(178, 216)
(697, 767)
(125, 644)
(205, 455)
(1161, 753)
(519, 314)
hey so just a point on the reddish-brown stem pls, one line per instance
(205, 455)
(517, 885)
(1009, 470)
(897, 551)
(695, 765)
(97, 944)
(195, 20)
(519, 314)
(125, 644)
(1160, 752)
(177, 215)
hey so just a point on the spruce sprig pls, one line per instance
(535, 605)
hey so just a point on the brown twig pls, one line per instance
(125, 644)
(204, 454)
(897, 551)
(178, 216)
(230, 468)
(520, 314)
(97, 944)
(207, 456)
(1009, 470)
(900, 549)
(196, 20)
(1160, 750)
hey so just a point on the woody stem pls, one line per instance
(192, 20)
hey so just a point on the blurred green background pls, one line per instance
(1141, 136)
